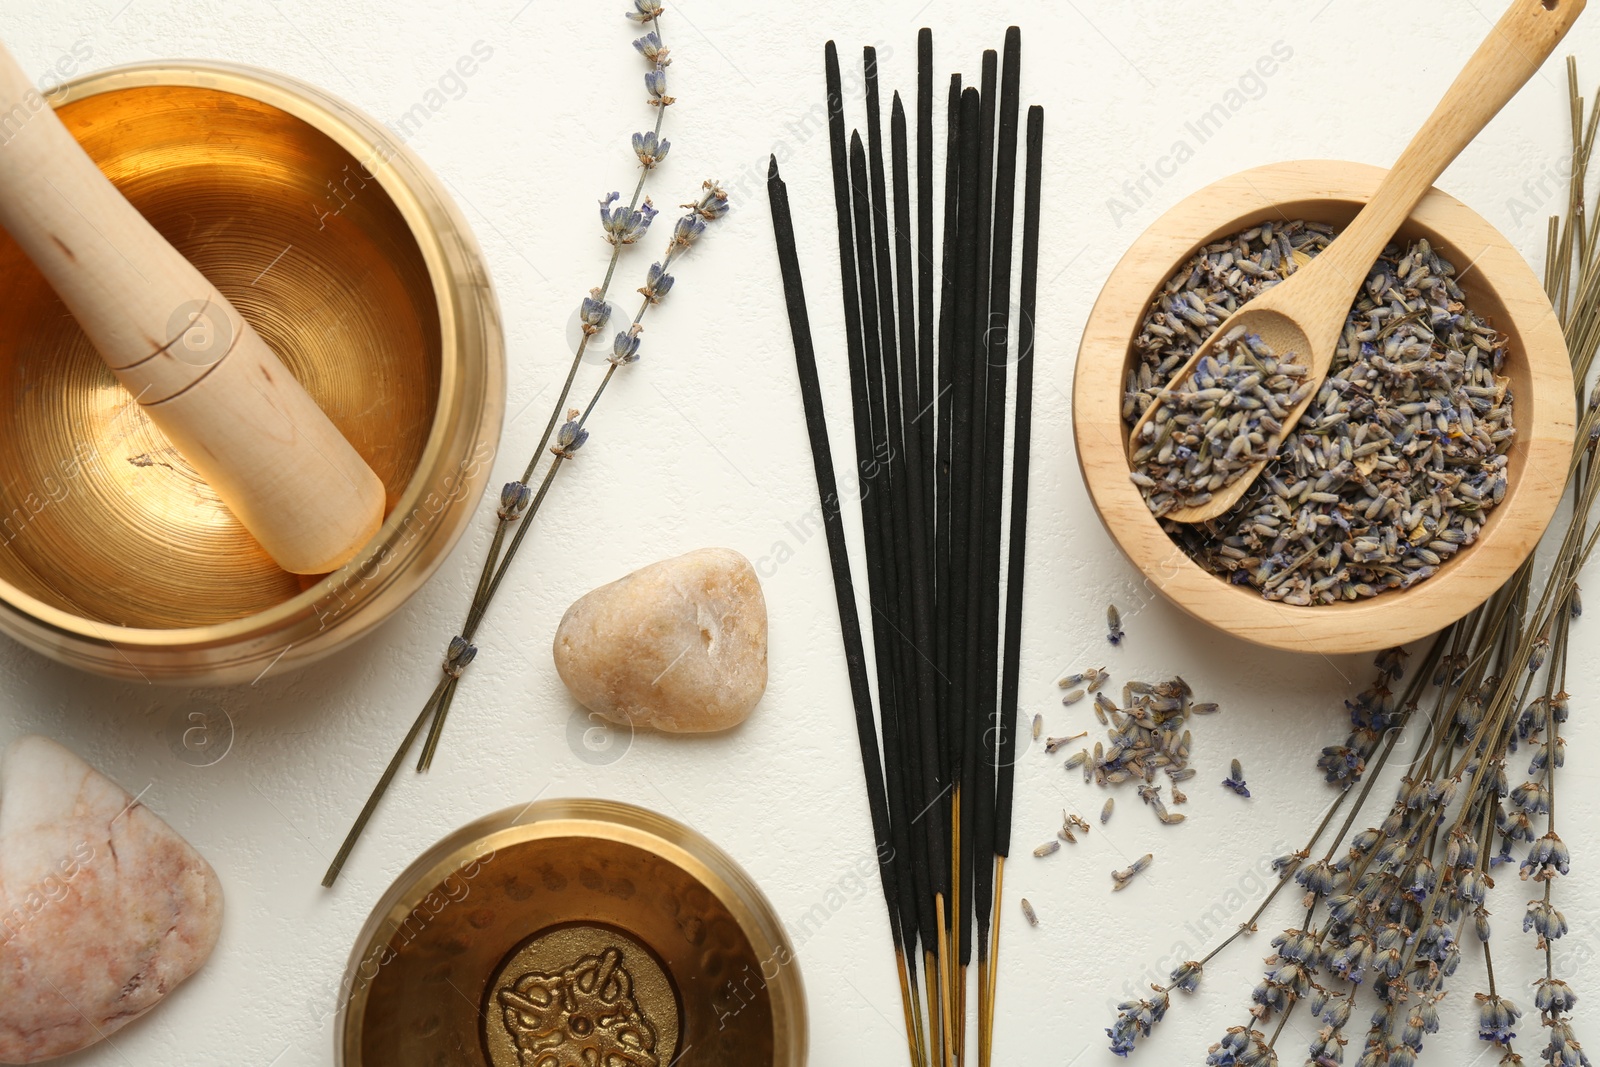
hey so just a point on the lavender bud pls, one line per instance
(657, 284)
(655, 82)
(650, 148)
(688, 230)
(713, 205)
(622, 226)
(593, 313)
(458, 655)
(570, 438)
(625, 347)
(651, 48)
(644, 11)
(514, 497)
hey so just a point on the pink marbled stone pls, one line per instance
(104, 909)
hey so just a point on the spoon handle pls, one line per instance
(1513, 52)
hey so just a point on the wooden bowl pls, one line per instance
(1499, 285)
(540, 900)
(347, 256)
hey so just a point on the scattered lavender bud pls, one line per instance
(1235, 780)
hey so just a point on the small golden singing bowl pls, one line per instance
(1499, 286)
(347, 256)
(573, 932)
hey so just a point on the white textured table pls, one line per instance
(703, 443)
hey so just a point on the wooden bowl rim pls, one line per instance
(1545, 418)
(468, 311)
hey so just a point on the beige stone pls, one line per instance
(104, 909)
(680, 645)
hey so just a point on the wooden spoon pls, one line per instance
(1305, 313)
(189, 359)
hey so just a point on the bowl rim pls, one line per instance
(1545, 432)
(610, 820)
(456, 272)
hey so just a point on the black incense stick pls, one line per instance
(914, 676)
(1021, 447)
(878, 517)
(926, 411)
(839, 559)
(906, 895)
(979, 682)
(941, 460)
(855, 656)
(910, 485)
(1016, 564)
(996, 355)
(961, 433)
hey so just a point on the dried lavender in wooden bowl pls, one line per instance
(1400, 456)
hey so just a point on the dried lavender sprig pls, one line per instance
(621, 226)
(1408, 888)
(712, 205)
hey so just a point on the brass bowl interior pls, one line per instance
(99, 516)
(425, 982)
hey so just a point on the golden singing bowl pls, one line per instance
(347, 256)
(1499, 286)
(571, 932)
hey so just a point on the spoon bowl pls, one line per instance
(1285, 336)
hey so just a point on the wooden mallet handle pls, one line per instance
(221, 396)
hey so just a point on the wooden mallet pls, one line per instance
(205, 378)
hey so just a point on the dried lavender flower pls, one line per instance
(650, 148)
(621, 225)
(655, 82)
(1123, 877)
(646, 10)
(625, 346)
(1114, 632)
(570, 437)
(1235, 780)
(1028, 913)
(1496, 1018)
(688, 231)
(514, 499)
(651, 48)
(657, 284)
(594, 312)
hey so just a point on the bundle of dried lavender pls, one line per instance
(1388, 907)
(621, 226)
